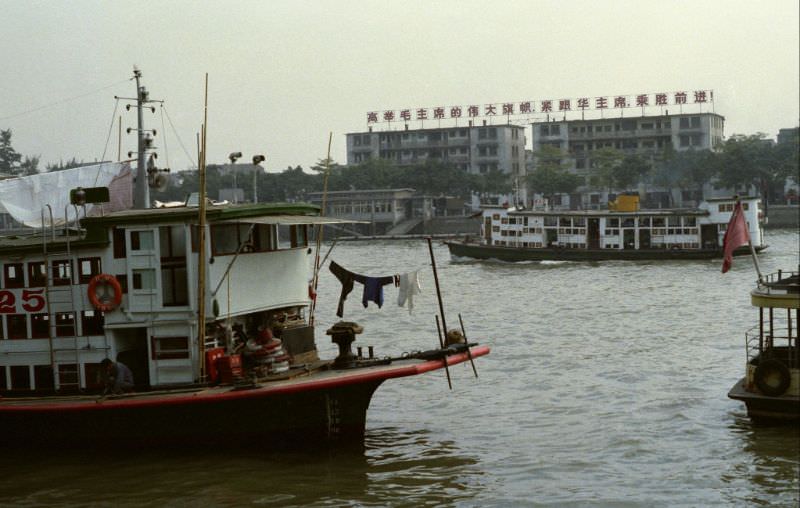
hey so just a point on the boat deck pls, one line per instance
(305, 379)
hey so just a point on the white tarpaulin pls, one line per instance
(25, 197)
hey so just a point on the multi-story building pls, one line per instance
(647, 136)
(473, 149)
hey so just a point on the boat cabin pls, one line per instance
(124, 286)
(633, 229)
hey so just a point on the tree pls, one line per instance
(8, 156)
(629, 171)
(29, 166)
(72, 163)
(754, 160)
(551, 176)
(605, 162)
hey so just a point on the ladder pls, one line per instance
(60, 288)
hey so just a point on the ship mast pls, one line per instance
(141, 193)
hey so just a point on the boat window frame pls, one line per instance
(15, 319)
(16, 282)
(36, 270)
(95, 268)
(170, 353)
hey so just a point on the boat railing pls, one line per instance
(780, 282)
(781, 343)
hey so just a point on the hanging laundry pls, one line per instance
(373, 289)
(347, 278)
(373, 286)
(409, 286)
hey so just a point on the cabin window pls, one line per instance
(226, 238)
(20, 377)
(674, 221)
(67, 374)
(88, 268)
(13, 275)
(142, 240)
(173, 266)
(3, 383)
(659, 222)
(92, 322)
(644, 222)
(123, 282)
(62, 272)
(119, 243)
(565, 222)
(579, 222)
(298, 235)
(690, 221)
(65, 324)
(612, 222)
(551, 221)
(43, 377)
(17, 326)
(37, 274)
(2, 329)
(144, 279)
(91, 373)
(628, 222)
(170, 348)
(40, 326)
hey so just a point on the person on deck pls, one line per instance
(116, 376)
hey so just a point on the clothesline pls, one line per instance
(408, 283)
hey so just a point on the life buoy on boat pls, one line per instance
(105, 292)
(772, 377)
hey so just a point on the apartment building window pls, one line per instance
(555, 130)
(647, 126)
(544, 130)
(356, 140)
(367, 140)
(695, 122)
(684, 123)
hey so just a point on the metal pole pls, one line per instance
(441, 344)
(436, 280)
(141, 196)
(201, 249)
(469, 352)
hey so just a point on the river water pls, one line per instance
(606, 386)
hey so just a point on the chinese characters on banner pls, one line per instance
(609, 102)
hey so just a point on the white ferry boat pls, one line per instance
(229, 362)
(771, 385)
(624, 231)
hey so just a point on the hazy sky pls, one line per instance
(283, 74)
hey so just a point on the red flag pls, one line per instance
(735, 236)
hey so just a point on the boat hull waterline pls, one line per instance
(516, 254)
(329, 406)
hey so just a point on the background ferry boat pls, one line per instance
(622, 232)
(209, 306)
(771, 385)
